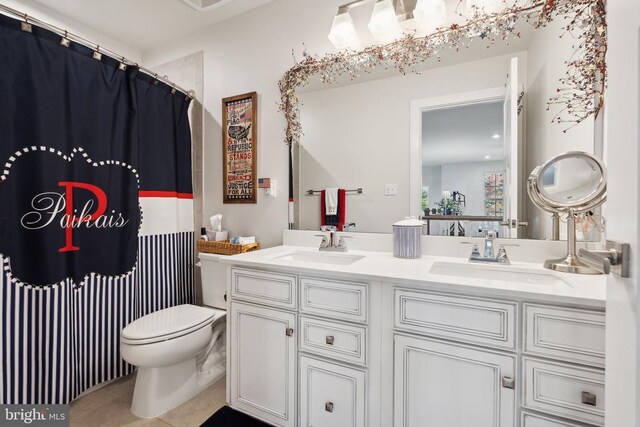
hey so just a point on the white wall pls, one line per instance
(432, 178)
(49, 16)
(545, 66)
(358, 136)
(468, 178)
(248, 53)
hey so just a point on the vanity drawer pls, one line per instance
(334, 299)
(534, 420)
(568, 391)
(277, 290)
(337, 340)
(331, 394)
(485, 322)
(566, 334)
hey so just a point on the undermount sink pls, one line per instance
(502, 273)
(318, 257)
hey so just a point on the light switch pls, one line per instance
(391, 189)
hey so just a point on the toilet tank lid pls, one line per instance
(169, 321)
(209, 257)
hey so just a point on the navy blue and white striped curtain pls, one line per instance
(96, 219)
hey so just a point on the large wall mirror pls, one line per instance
(453, 140)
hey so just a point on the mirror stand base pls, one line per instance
(570, 264)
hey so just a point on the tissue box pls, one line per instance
(215, 236)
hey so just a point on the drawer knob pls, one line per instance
(588, 398)
(329, 340)
(289, 332)
(508, 382)
(328, 406)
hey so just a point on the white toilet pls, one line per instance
(179, 351)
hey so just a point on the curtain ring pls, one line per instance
(97, 55)
(25, 26)
(155, 79)
(122, 66)
(65, 41)
(173, 89)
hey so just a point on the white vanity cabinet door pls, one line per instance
(340, 341)
(442, 384)
(535, 420)
(569, 391)
(262, 287)
(331, 395)
(570, 335)
(263, 363)
(470, 320)
(334, 299)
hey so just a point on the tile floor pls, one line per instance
(109, 407)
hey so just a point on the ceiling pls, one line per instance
(147, 24)
(462, 134)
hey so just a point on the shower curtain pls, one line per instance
(96, 224)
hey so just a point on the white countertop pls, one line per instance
(382, 266)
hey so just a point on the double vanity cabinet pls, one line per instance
(318, 348)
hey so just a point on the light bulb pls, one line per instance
(384, 22)
(429, 15)
(343, 33)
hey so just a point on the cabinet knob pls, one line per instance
(508, 382)
(328, 406)
(329, 340)
(588, 398)
(289, 332)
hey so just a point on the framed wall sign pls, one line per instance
(239, 144)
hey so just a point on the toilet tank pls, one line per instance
(214, 277)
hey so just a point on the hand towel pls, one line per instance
(331, 201)
(339, 218)
(246, 240)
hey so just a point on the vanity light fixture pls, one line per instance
(384, 22)
(487, 157)
(496, 136)
(429, 15)
(343, 33)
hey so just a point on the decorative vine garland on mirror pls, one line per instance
(581, 91)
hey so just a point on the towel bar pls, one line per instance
(312, 192)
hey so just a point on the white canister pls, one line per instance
(407, 235)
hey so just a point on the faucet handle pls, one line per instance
(325, 241)
(502, 255)
(341, 244)
(475, 251)
(348, 227)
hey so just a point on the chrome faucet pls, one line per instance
(489, 256)
(331, 242)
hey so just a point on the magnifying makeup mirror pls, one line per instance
(570, 183)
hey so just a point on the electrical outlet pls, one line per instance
(391, 190)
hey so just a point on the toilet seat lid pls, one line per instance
(169, 322)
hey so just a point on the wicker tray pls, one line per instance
(224, 247)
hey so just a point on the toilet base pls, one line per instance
(159, 390)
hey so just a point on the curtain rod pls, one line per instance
(81, 40)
